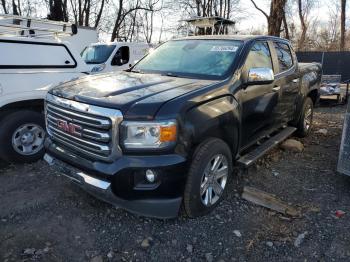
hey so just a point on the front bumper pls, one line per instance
(120, 183)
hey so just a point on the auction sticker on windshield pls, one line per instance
(224, 49)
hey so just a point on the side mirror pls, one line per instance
(260, 76)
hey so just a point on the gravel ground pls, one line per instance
(46, 218)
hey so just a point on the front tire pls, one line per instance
(208, 176)
(22, 135)
(305, 122)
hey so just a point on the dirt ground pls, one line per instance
(46, 218)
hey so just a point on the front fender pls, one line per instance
(215, 118)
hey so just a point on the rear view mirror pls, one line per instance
(260, 76)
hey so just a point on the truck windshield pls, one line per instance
(97, 54)
(210, 59)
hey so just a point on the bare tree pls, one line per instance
(206, 8)
(285, 26)
(3, 4)
(275, 18)
(58, 10)
(304, 9)
(342, 25)
(16, 7)
(98, 18)
(123, 12)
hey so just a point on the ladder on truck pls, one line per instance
(20, 26)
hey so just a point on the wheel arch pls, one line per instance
(314, 95)
(30, 104)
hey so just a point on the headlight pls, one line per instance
(148, 135)
(98, 68)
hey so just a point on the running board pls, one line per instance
(248, 159)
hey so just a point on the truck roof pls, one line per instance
(235, 37)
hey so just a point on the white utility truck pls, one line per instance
(33, 58)
(114, 56)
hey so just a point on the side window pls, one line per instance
(122, 56)
(284, 55)
(259, 56)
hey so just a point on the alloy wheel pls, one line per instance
(214, 180)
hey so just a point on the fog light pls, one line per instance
(151, 175)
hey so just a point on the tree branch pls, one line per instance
(258, 8)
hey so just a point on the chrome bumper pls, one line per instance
(101, 189)
(76, 175)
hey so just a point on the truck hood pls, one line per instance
(136, 95)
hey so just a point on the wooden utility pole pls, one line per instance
(342, 25)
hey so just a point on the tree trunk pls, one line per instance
(302, 38)
(228, 9)
(56, 10)
(99, 13)
(80, 13)
(87, 12)
(117, 21)
(14, 8)
(342, 25)
(3, 3)
(285, 25)
(276, 17)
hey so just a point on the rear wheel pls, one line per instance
(22, 135)
(208, 176)
(305, 122)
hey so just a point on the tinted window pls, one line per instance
(122, 56)
(197, 58)
(259, 56)
(284, 56)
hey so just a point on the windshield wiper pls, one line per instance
(134, 71)
(171, 74)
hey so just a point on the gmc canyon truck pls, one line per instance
(168, 132)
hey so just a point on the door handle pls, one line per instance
(276, 88)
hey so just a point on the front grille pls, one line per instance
(85, 129)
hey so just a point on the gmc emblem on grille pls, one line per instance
(70, 128)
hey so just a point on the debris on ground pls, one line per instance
(29, 251)
(269, 244)
(322, 131)
(146, 242)
(300, 239)
(189, 248)
(339, 213)
(275, 173)
(237, 233)
(264, 199)
(209, 257)
(97, 259)
(292, 145)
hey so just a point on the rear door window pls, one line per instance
(259, 56)
(284, 55)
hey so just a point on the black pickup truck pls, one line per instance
(167, 132)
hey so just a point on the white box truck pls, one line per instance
(33, 58)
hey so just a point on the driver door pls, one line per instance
(259, 101)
